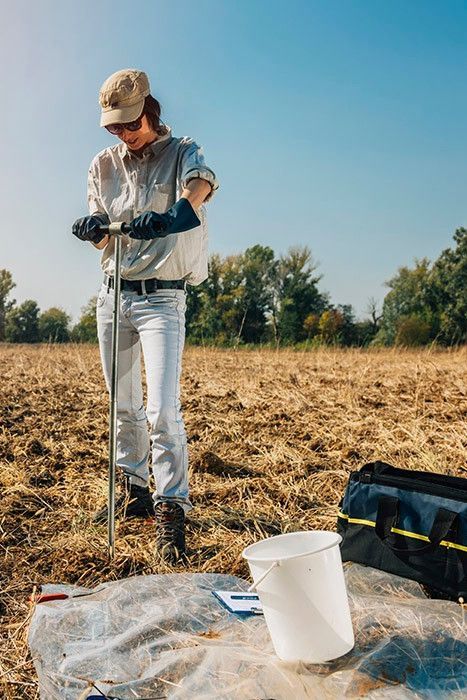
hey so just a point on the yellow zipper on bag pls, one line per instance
(397, 531)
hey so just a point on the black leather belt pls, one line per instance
(145, 286)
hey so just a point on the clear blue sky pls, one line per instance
(341, 125)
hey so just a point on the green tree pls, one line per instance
(412, 331)
(297, 295)
(85, 331)
(22, 324)
(203, 305)
(230, 302)
(330, 325)
(54, 326)
(347, 332)
(408, 297)
(364, 333)
(311, 325)
(6, 285)
(259, 272)
(252, 297)
(232, 305)
(194, 304)
(447, 292)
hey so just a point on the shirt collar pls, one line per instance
(153, 148)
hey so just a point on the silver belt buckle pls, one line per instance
(143, 287)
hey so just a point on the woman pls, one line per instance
(157, 183)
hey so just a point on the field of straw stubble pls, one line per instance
(272, 439)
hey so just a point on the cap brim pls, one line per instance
(122, 115)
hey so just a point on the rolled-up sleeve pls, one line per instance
(193, 166)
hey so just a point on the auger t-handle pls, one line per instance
(115, 229)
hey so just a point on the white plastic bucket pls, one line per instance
(300, 582)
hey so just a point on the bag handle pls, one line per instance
(378, 467)
(386, 518)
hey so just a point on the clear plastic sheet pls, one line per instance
(166, 636)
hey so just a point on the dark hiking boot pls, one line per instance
(170, 531)
(133, 502)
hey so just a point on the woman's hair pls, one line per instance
(152, 110)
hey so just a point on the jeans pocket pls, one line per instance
(161, 299)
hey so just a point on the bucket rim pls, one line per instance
(336, 540)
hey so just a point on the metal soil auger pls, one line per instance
(115, 229)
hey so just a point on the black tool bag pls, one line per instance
(409, 523)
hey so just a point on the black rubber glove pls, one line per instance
(148, 225)
(87, 228)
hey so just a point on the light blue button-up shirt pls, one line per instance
(123, 184)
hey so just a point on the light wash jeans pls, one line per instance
(155, 323)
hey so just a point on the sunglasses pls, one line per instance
(117, 129)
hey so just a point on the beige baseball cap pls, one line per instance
(121, 97)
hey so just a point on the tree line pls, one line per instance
(254, 298)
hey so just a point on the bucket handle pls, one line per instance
(263, 576)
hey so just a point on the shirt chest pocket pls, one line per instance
(160, 197)
(119, 204)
